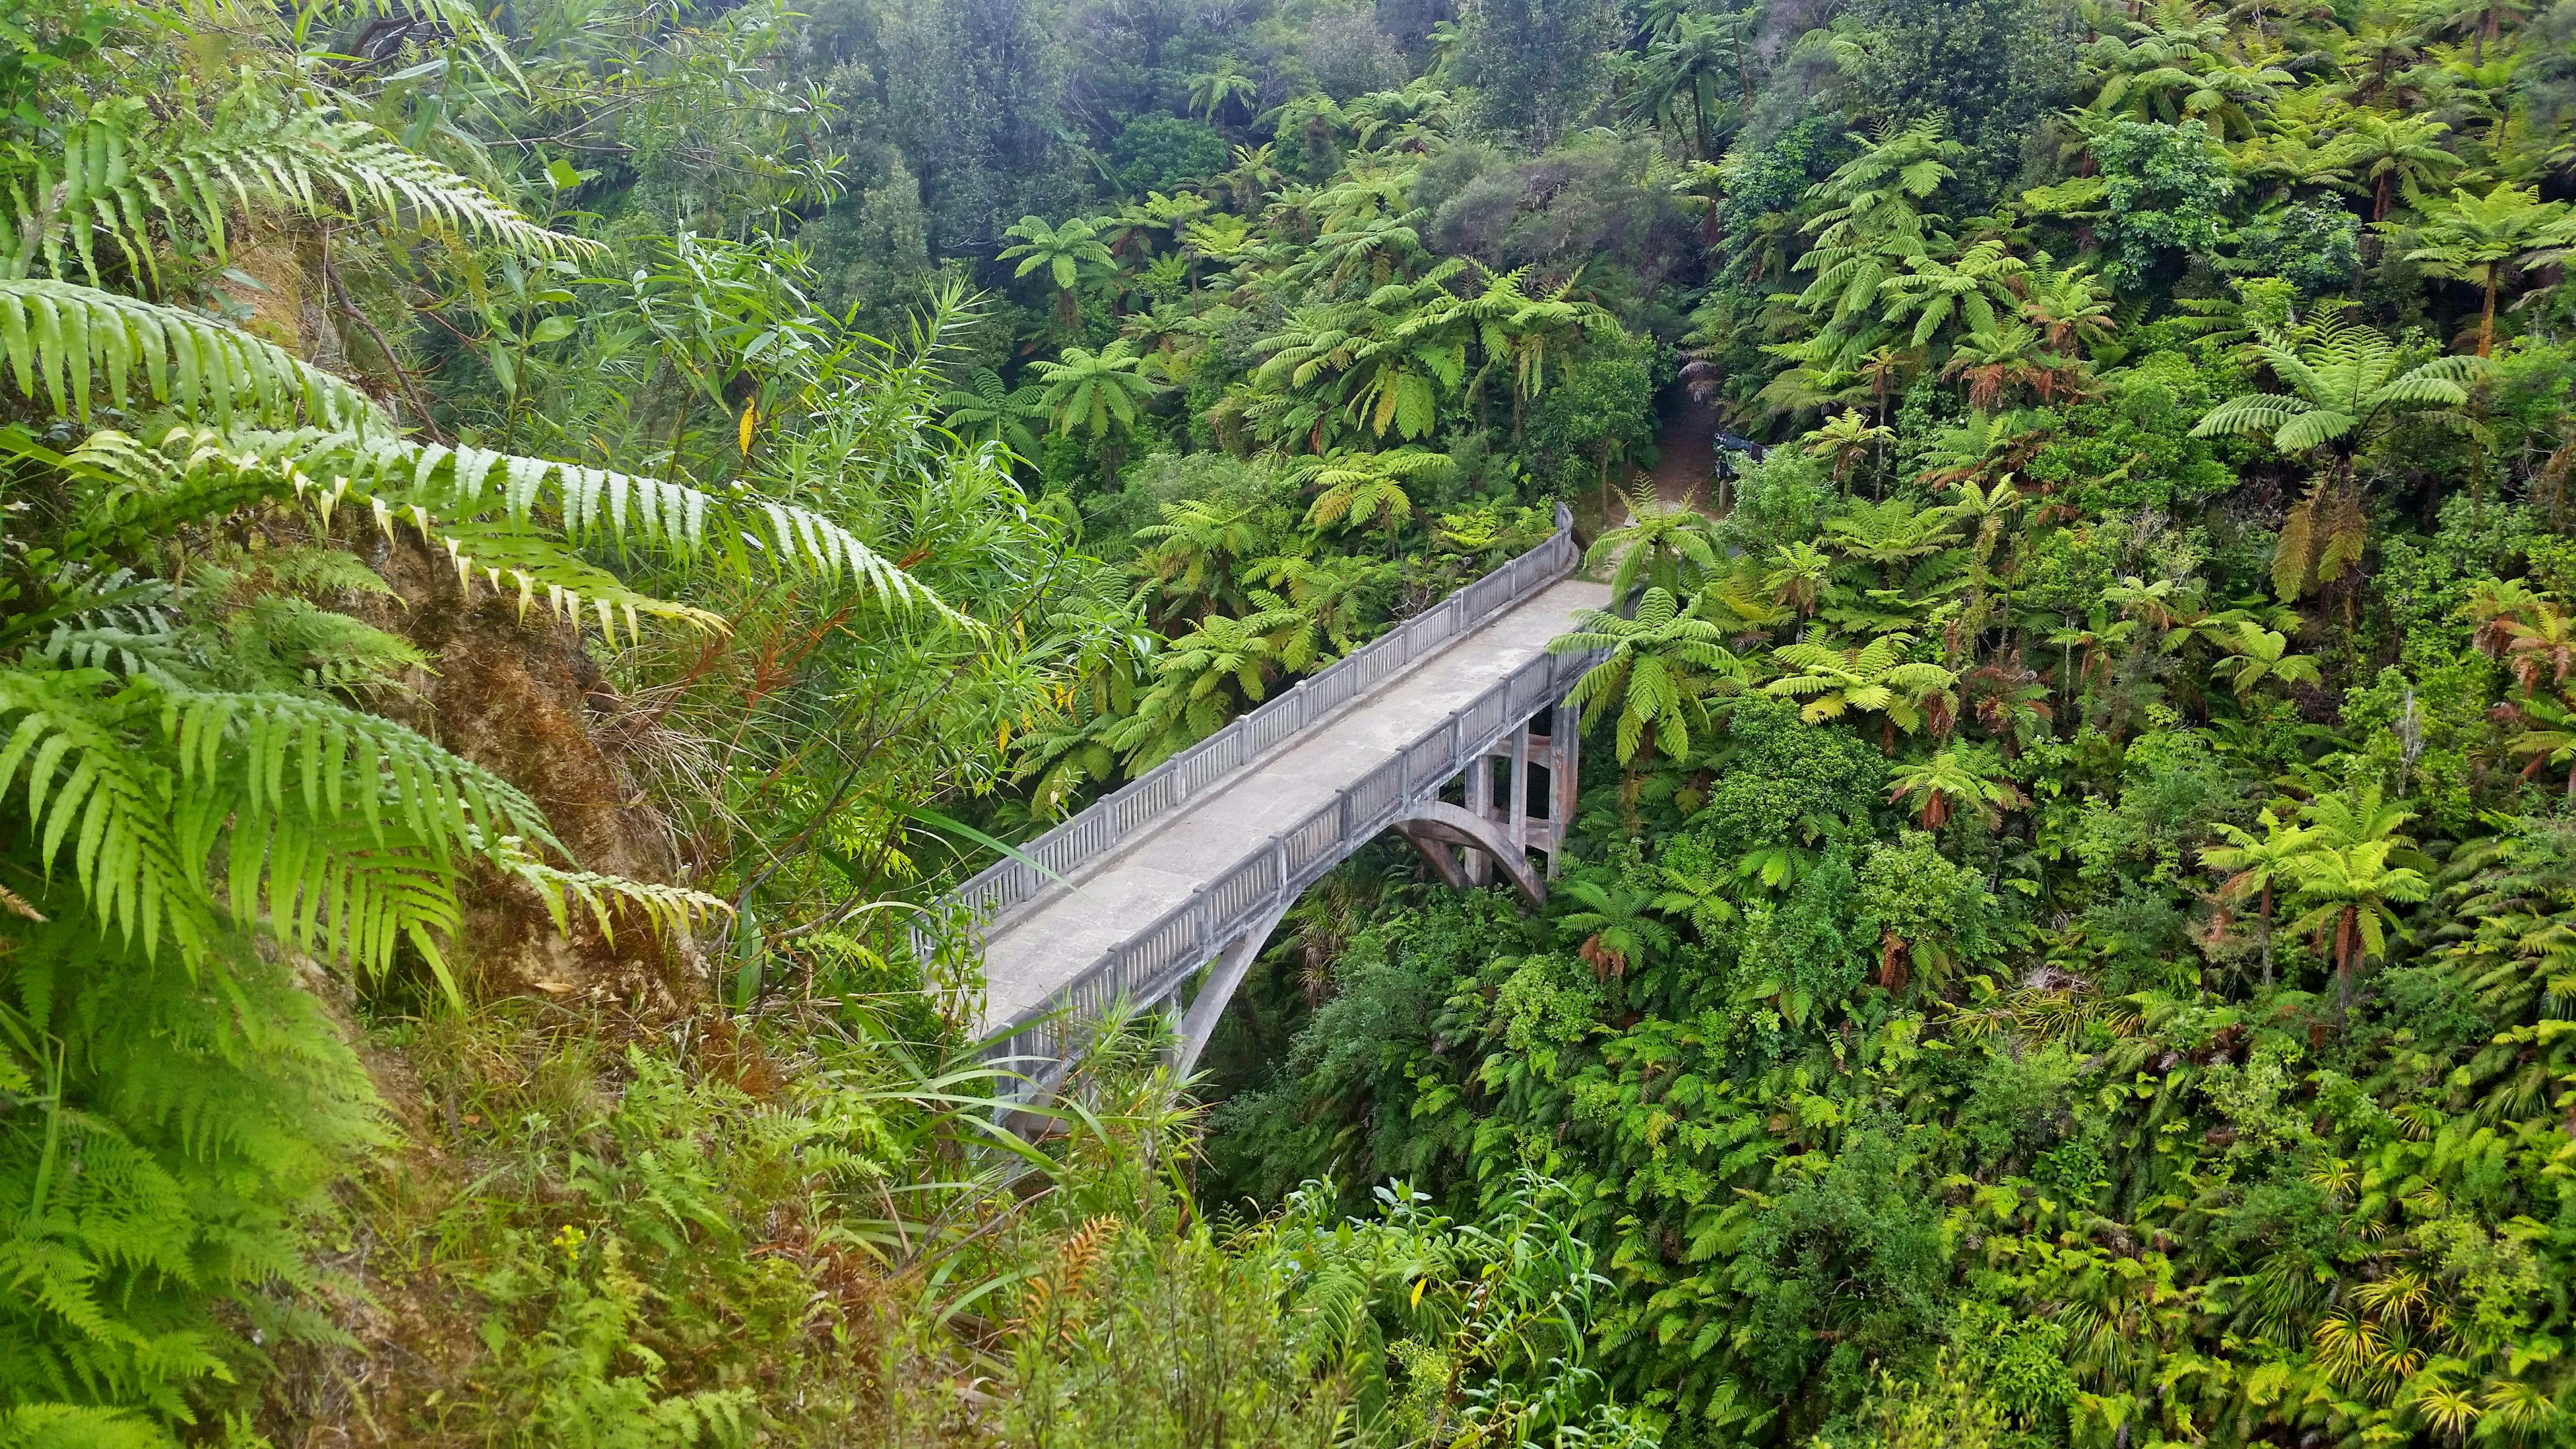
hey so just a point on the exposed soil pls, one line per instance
(1688, 439)
(518, 694)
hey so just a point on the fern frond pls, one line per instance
(87, 787)
(396, 475)
(235, 749)
(68, 341)
(2250, 413)
(669, 909)
(515, 557)
(109, 182)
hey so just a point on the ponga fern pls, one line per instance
(114, 180)
(668, 909)
(334, 830)
(68, 344)
(481, 507)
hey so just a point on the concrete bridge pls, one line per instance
(1190, 867)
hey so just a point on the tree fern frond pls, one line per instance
(326, 889)
(667, 908)
(464, 483)
(515, 557)
(235, 749)
(2249, 413)
(68, 341)
(107, 181)
(86, 786)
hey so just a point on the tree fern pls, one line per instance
(110, 181)
(72, 342)
(430, 484)
(666, 908)
(336, 829)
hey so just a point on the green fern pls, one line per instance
(180, 1129)
(449, 492)
(337, 829)
(64, 1426)
(668, 909)
(109, 181)
(70, 342)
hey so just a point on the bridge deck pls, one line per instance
(1034, 951)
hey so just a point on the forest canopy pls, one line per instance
(539, 542)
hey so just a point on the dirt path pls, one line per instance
(1689, 443)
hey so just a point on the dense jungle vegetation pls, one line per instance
(535, 542)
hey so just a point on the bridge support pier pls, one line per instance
(1562, 759)
(1198, 1023)
(1516, 828)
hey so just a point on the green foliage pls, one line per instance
(1165, 153)
(2165, 188)
(169, 1131)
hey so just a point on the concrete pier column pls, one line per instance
(1480, 803)
(1516, 823)
(1564, 769)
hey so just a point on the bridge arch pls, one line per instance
(1443, 833)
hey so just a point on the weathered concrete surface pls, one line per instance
(1033, 952)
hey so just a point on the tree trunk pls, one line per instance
(2347, 942)
(521, 696)
(2266, 918)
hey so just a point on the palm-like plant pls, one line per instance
(1960, 295)
(1997, 362)
(984, 409)
(2258, 865)
(2531, 634)
(1525, 334)
(1068, 254)
(1616, 930)
(2481, 240)
(2347, 383)
(1205, 677)
(1221, 88)
(1195, 556)
(1797, 575)
(1254, 175)
(1697, 887)
(1693, 60)
(2400, 152)
(1670, 546)
(1952, 781)
(2070, 305)
(2257, 655)
(1873, 678)
(2350, 894)
(1892, 535)
(1099, 392)
(1847, 438)
(1657, 672)
(1353, 487)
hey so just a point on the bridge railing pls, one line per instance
(1128, 810)
(1156, 960)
